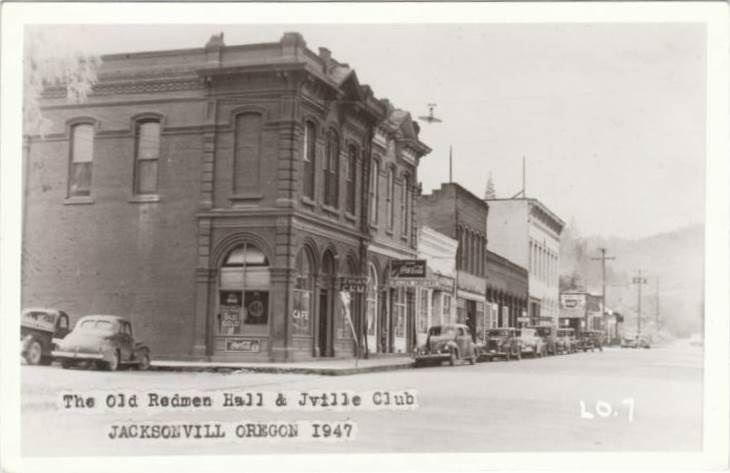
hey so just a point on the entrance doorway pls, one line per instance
(471, 317)
(324, 344)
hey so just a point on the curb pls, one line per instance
(283, 369)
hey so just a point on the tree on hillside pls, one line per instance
(48, 63)
(490, 193)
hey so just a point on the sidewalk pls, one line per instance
(339, 367)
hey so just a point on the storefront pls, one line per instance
(470, 311)
(433, 304)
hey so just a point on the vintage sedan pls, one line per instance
(446, 343)
(567, 343)
(105, 341)
(501, 343)
(549, 339)
(530, 343)
(40, 330)
(590, 340)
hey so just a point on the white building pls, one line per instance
(526, 232)
(435, 298)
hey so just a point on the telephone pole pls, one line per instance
(639, 281)
(603, 258)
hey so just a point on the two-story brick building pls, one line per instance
(459, 214)
(236, 202)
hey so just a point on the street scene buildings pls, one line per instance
(269, 214)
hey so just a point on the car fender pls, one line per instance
(140, 347)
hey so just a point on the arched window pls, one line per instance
(331, 170)
(82, 156)
(147, 154)
(303, 286)
(351, 178)
(248, 146)
(243, 292)
(309, 159)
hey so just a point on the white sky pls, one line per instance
(611, 117)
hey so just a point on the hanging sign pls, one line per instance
(408, 268)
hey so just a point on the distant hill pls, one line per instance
(675, 258)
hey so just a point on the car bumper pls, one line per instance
(72, 355)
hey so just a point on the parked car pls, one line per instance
(590, 340)
(549, 338)
(447, 343)
(531, 343)
(635, 342)
(501, 343)
(567, 342)
(629, 342)
(40, 329)
(105, 341)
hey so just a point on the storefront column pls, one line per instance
(282, 303)
(202, 341)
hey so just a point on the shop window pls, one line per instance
(331, 170)
(423, 307)
(374, 191)
(302, 311)
(480, 322)
(351, 178)
(344, 305)
(372, 301)
(446, 309)
(243, 302)
(247, 149)
(399, 309)
(308, 158)
(147, 154)
(82, 155)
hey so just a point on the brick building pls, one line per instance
(236, 202)
(459, 214)
(507, 292)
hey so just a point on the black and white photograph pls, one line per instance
(366, 236)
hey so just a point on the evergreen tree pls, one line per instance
(490, 193)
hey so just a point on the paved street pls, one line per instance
(530, 405)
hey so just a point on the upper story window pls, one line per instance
(331, 170)
(247, 153)
(351, 178)
(82, 156)
(390, 193)
(405, 205)
(308, 156)
(374, 191)
(147, 154)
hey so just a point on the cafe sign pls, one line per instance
(408, 268)
(353, 284)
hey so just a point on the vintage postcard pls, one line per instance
(365, 237)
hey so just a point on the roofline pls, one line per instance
(537, 202)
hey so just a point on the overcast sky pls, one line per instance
(610, 117)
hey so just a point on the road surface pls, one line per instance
(618, 399)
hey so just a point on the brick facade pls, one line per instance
(260, 209)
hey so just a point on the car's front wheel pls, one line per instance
(35, 353)
(66, 363)
(144, 361)
(113, 363)
(453, 357)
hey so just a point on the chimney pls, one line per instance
(213, 49)
(291, 43)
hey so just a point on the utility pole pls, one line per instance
(657, 303)
(451, 179)
(639, 281)
(603, 259)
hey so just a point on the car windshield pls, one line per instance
(497, 333)
(94, 325)
(38, 316)
(439, 331)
